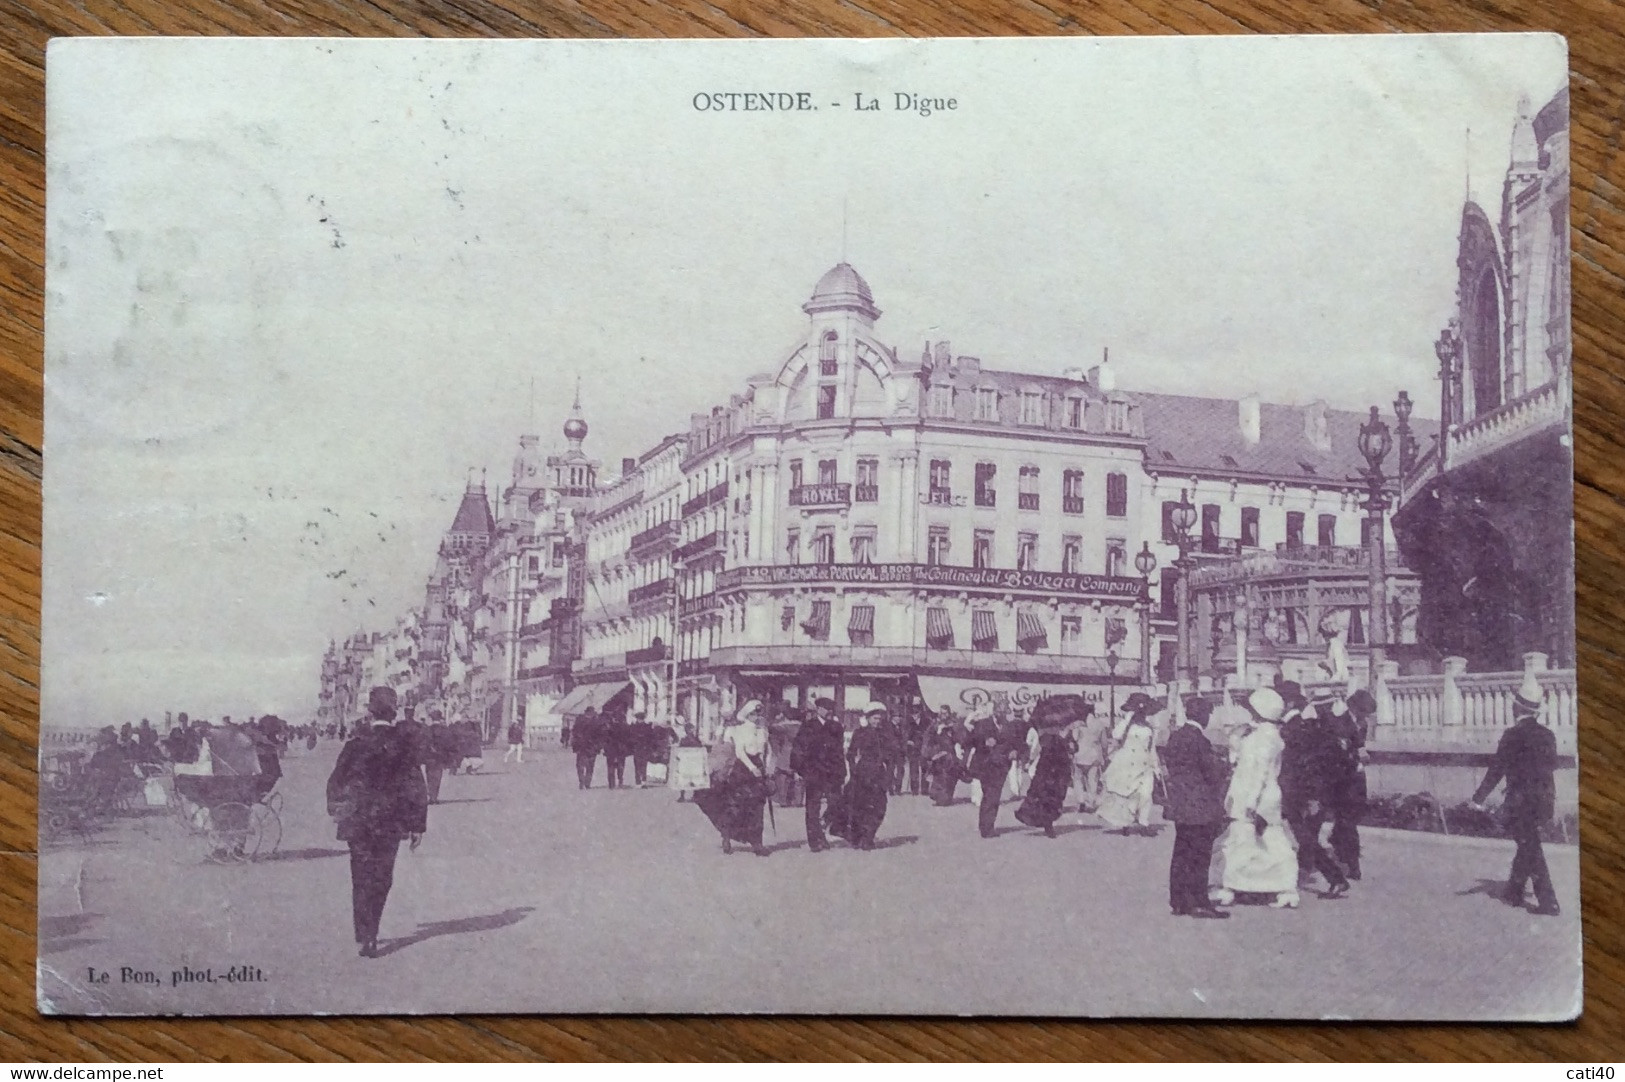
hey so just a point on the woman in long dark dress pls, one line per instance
(737, 799)
(869, 757)
(1052, 773)
(941, 754)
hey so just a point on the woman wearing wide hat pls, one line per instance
(1052, 772)
(1258, 854)
(1130, 776)
(737, 800)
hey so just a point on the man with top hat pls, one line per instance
(818, 758)
(1526, 759)
(1195, 781)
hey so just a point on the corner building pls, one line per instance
(871, 528)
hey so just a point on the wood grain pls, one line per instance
(1596, 33)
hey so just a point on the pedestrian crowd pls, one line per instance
(1265, 804)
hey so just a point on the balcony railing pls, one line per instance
(645, 654)
(987, 497)
(691, 606)
(1072, 505)
(866, 493)
(710, 542)
(650, 592)
(716, 494)
(652, 538)
(940, 497)
(1027, 501)
(828, 494)
(1543, 408)
(1462, 708)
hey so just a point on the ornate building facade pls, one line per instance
(1485, 512)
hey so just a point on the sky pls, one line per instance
(297, 289)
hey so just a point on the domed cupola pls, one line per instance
(842, 289)
(575, 429)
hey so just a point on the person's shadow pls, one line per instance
(461, 926)
(1492, 888)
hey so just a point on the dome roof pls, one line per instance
(842, 287)
(841, 280)
(575, 429)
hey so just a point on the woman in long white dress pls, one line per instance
(1130, 776)
(1257, 852)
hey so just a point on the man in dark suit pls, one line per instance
(377, 794)
(818, 757)
(614, 737)
(1194, 783)
(584, 737)
(1310, 786)
(1526, 758)
(1349, 728)
(990, 758)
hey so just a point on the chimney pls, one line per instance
(1314, 426)
(945, 355)
(1249, 417)
(970, 366)
(1101, 375)
(628, 466)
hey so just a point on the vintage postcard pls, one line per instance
(947, 527)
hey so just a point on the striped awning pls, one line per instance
(984, 630)
(817, 625)
(939, 630)
(1030, 631)
(861, 620)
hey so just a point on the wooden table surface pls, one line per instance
(1596, 33)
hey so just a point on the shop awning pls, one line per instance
(1030, 631)
(939, 629)
(589, 695)
(861, 621)
(817, 625)
(984, 630)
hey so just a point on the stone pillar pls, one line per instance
(1451, 708)
(769, 522)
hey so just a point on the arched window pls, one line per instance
(826, 354)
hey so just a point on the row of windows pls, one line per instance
(822, 550)
(1296, 521)
(1033, 408)
(941, 634)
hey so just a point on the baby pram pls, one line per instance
(226, 801)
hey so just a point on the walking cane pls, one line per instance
(772, 821)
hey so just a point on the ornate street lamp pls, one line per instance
(1407, 441)
(1145, 562)
(1111, 669)
(1374, 443)
(1183, 518)
(1448, 348)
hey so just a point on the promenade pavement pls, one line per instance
(530, 895)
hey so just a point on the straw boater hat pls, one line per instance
(1526, 703)
(1266, 704)
(750, 711)
(875, 708)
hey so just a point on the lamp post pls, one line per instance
(1374, 442)
(1111, 672)
(1184, 517)
(1448, 348)
(1145, 562)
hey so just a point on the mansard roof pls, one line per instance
(1187, 433)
